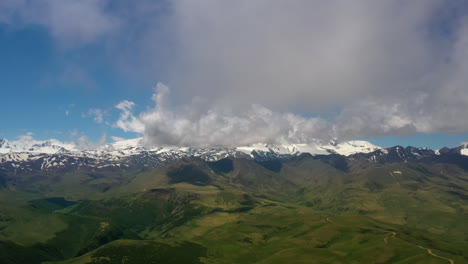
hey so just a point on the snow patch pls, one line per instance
(464, 152)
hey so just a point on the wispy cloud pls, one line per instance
(26, 137)
(68, 109)
(70, 22)
(97, 115)
(74, 133)
(83, 142)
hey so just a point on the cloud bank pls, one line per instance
(202, 124)
(259, 69)
(384, 67)
(217, 126)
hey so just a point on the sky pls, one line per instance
(225, 73)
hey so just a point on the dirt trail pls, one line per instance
(437, 256)
(395, 178)
(328, 220)
(386, 239)
(427, 249)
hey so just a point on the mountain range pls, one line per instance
(54, 153)
(132, 146)
(349, 202)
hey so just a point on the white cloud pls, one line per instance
(207, 125)
(74, 133)
(68, 109)
(384, 67)
(116, 139)
(83, 142)
(127, 122)
(97, 115)
(218, 126)
(26, 137)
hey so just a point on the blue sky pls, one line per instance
(387, 72)
(40, 96)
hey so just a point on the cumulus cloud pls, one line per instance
(195, 125)
(127, 121)
(374, 68)
(205, 125)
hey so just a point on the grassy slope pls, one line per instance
(143, 251)
(298, 211)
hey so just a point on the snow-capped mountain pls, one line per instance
(351, 147)
(54, 153)
(135, 146)
(464, 149)
(31, 154)
(35, 146)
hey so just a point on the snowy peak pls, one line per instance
(345, 148)
(463, 149)
(3, 142)
(35, 146)
(400, 154)
(351, 147)
(122, 147)
(126, 143)
(286, 149)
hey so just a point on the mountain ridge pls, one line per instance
(130, 146)
(33, 155)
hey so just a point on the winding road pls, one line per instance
(429, 251)
(437, 256)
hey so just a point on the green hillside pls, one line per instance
(301, 210)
